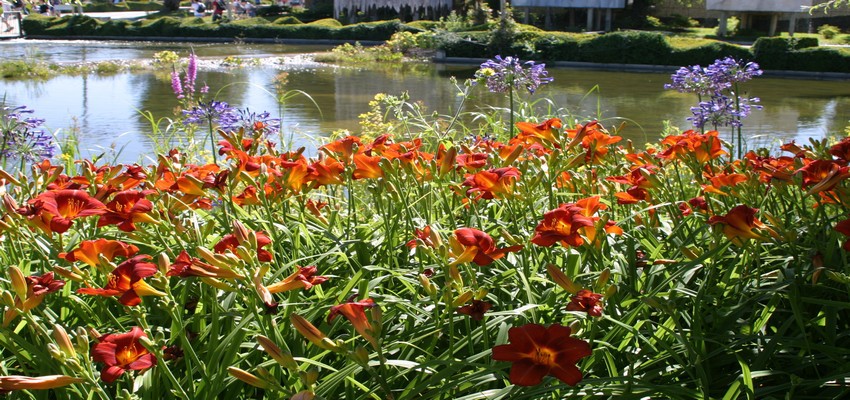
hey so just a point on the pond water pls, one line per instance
(104, 110)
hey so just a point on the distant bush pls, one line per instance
(828, 31)
(288, 20)
(328, 22)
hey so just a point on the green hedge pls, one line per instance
(196, 27)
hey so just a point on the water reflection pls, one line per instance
(105, 110)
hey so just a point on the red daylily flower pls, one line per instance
(738, 224)
(475, 310)
(427, 236)
(720, 181)
(563, 225)
(230, 242)
(127, 208)
(126, 281)
(493, 183)
(185, 266)
(37, 288)
(536, 351)
(586, 301)
(64, 206)
(328, 171)
(843, 227)
(476, 246)
(305, 278)
(637, 179)
(343, 148)
(122, 352)
(823, 175)
(356, 314)
(367, 166)
(472, 161)
(770, 168)
(841, 150)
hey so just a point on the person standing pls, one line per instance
(7, 13)
(218, 9)
(198, 9)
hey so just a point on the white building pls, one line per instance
(786, 9)
(593, 16)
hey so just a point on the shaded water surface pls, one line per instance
(105, 110)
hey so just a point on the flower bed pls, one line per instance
(540, 258)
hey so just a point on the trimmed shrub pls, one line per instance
(625, 47)
(771, 53)
(828, 31)
(288, 20)
(707, 53)
(555, 47)
(328, 22)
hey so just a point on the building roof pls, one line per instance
(759, 5)
(394, 4)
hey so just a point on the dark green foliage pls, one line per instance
(707, 54)
(328, 22)
(626, 47)
(272, 10)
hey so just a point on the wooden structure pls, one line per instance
(594, 19)
(352, 7)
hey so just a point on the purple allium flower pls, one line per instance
(502, 73)
(215, 111)
(245, 118)
(721, 110)
(24, 138)
(719, 76)
(175, 84)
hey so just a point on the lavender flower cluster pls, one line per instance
(187, 85)
(503, 73)
(24, 137)
(718, 82)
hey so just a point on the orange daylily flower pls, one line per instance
(126, 281)
(126, 209)
(367, 166)
(738, 224)
(562, 225)
(544, 131)
(494, 183)
(471, 161)
(703, 147)
(355, 312)
(90, 251)
(343, 148)
(9, 383)
(64, 206)
(472, 245)
(427, 236)
(724, 180)
(185, 266)
(304, 278)
(328, 171)
(638, 185)
(122, 352)
(537, 351)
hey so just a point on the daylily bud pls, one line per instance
(247, 377)
(210, 257)
(462, 299)
(480, 294)
(82, 338)
(313, 334)
(54, 352)
(447, 163)
(455, 275)
(561, 279)
(817, 263)
(252, 241)
(426, 284)
(361, 355)
(63, 341)
(509, 238)
(19, 283)
(68, 274)
(244, 254)
(241, 232)
(9, 178)
(163, 263)
(303, 395)
(10, 204)
(513, 156)
(690, 253)
(8, 299)
(612, 290)
(310, 376)
(218, 284)
(282, 358)
(603, 279)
